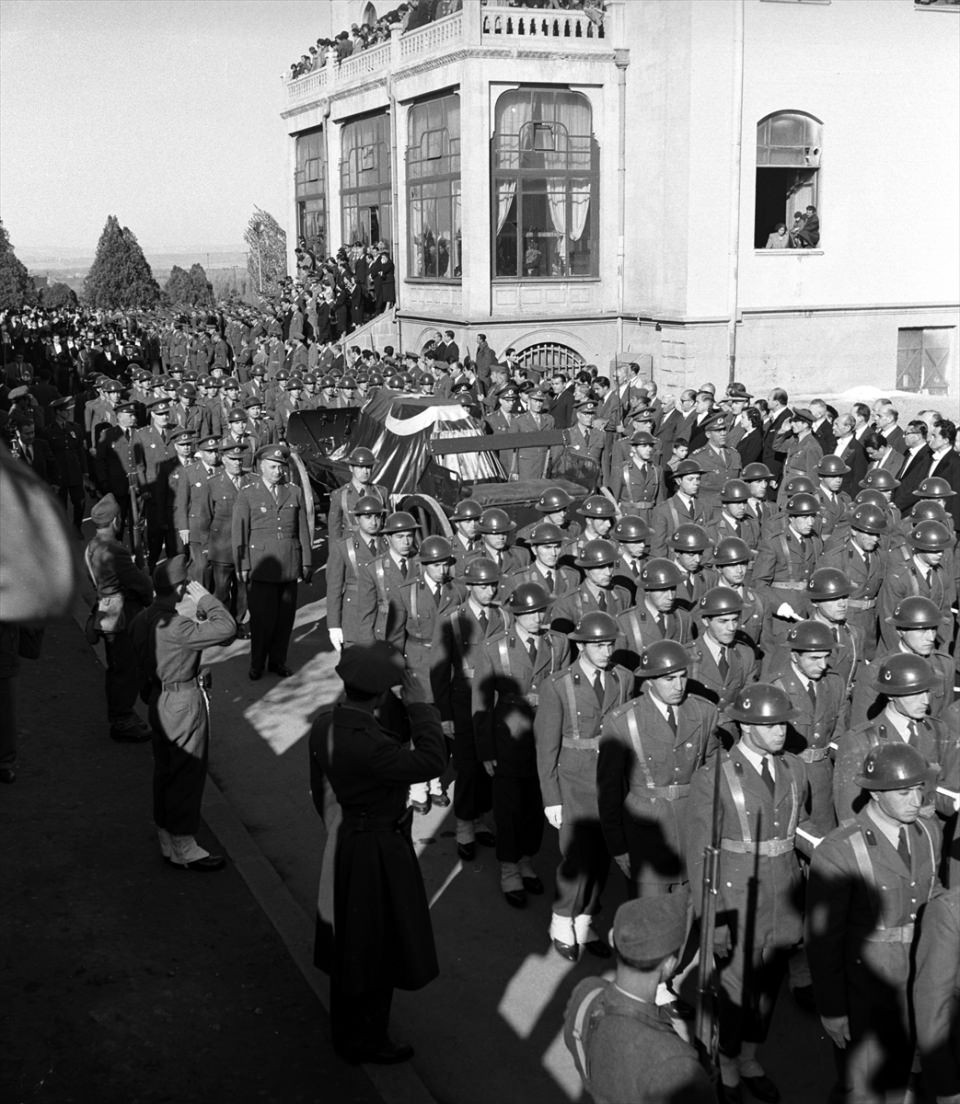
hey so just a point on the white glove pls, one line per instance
(554, 815)
(336, 637)
(786, 610)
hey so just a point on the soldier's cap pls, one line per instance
(237, 415)
(159, 406)
(169, 384)
(112, 386)
(187, 390)
(541, 393)
(62, 403)
(801, 414)
(229, 384)
(254, 400)
(588, 402)
(508, 391)
(126, 407)
(688, 467)
(232, 451)
(707, 390)
(371, 668)
(209, 444)
(273, 452)
(642, 437)
(169, 574)
(183, 437)
(105, 511)
(649, 929)
(717, 423)
(737, 392)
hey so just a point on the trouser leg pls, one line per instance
(180, 761)
(198, 562)
(472, 795)
(8, 720)
(121, 676)
(263, 618)
(584, 862)
(279, 643)
(518, 814)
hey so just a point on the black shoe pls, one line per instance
(803, 995)
(485, 837)
(533, 885)
(440, 800)
(467, 851)
(255, 673)
(569, 951)
(421, 807)
(8, 775)
(205, 865)
(762, 1088)
(598, 948)
(279, 669)
(389, 1054)
(516, 898)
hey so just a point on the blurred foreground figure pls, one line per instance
(382, 936)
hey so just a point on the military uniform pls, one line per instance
(509, 560)
(866, 579)
(381, 614)
(743, 667)
(835, 511)
(868, 702)
(188, 506)
(667, 517)
(341, 520)
(567, 612)
(644, 771)
(638, 486)
(344, 560)
(273, 542)
(784, 563)
(215, 525)
(803, 458)
(903, 578)
(115, 468)
(719, 465)
(151, 451)
(533, 463)
(936, 994)
(558, 583)
(70, 455)
(640, 628)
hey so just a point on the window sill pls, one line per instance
(788, 252)
(455, 281)
(548, 280)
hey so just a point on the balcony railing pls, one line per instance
(475, 27)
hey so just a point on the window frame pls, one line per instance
(810, 161)
(435, 179)
(311, 150)
(351, 168)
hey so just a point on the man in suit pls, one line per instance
(562, 409)
(273, 539)
(703, 416)
(677, 423)
(915, 465)
(31, 449)
(945, 463)
(822, 427)
(775, 453)
(851, 452)
(888, 426)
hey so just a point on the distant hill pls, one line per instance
(78, 261)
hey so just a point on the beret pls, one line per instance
(170, 573)
(650, 928)
(371, 668)
(105, 511)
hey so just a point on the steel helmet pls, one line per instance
(735, 490)
(879, 480)
(467, 509)
(598, 506)
(375, 379)
(868, 517)
(553, 500)
(719, 601)
(832, 465)
(904, 674)
(930, 509)
(435, 550)
(827, 584)
(731, 550)
(397, 382)
(481, 572)
(368, 504)
(810, 636)
(660, 574)
(546, 533)
(690, 538)
(871, 498)
(930, 536)
(752, 472)
(803, 505)
(631, 528)
(663, 657)
(361, 458)
(495, 520)
(528, 598)
(893, 765)
(329, 381)
(595, 627)
(400, 522)
(800, 484)
(688, 467)
(597, 553)
(916, 612)
(934, 487)
(761, 704)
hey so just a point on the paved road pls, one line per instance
(489, 1027)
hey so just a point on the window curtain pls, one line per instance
(506, 190)
(579, 207)
(557, 205)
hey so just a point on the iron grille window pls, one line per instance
(548, 356)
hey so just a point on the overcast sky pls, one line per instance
(162, 112)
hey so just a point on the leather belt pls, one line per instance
(173, 687)
(903, 934)
(765, 848)
(862, 603)
(789, 585)
(814, 755)
(641, 505)
(584, 743)
(671, 793)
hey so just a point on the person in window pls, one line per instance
(795, 229)
(809, 236)
(532, 256)
(384, 284)
(779, 239)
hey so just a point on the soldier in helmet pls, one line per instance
(862, 563)
(558, 580)
(761, 795)
(495, 528)
(465, 520)
(835, 505)
(683, 506)
(599, 515)
(785, 561)
(921, 574)
(459, 637)
(572, 705)
(597, 591)
(510, 670)
(722, 661)
(344, 560)
(778, 518)
(759, 479)
(637, 484)
(690, 546)
(649, 748)
(884, 483)
(381, 614)
(718, 462)
(341, 519)
(552, 505)
(869, 880)
(656, 616)
(735, 518)
(828, 596)
(917, 622)
(632, 535)
(731, 568)
(904, 681)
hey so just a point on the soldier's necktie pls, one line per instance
(602, 602)
(766, 773)
(532, 650)
(912, 732)
(722, 665)
(836, 634)
(372, 545)
(812, 694)
(739, 525)
(759, 511)
(661, 623)
(671, 719)
(548, 579)
(403, 566)
(483, 622)
(903, 848)
(598, 688)
(867, 561)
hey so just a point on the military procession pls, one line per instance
(739, 641)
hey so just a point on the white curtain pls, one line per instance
(506, 190)
(557, 203)
(579, 207)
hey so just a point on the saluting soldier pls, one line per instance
(785, 561)
(869, 880)
(381, 614)
(273, 542)
(567, 723)
(188, 505)
(921, 574)
(682, 507)
(637, 484)
(510, 670)
(718, 463)
(861, 561)
(761, 795)
(65, 438)
(597, 591)
(558, 580)
(729, 568)
(215, 526)
(722, 662)
(341, 520)
(344, 560)
(803, 451)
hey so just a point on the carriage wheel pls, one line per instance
(430, 515)
(300, 476)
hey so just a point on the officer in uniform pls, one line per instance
(761, 795)
(936, 996)
(596, 592)
(637, 484)
(188, 505)
(382, 937)
(344, 560)
(718, 463)
(785, 561)
(649, 748)
(690, 545)
(534, 463)
(730, 567)
(558, 580)
(114, 463)
(66, 443)
(152, 451)
(273, 539)
(722, 661)
(869, 880)
(584, 441)
(682, 507)
(859, 558)
(168, 648)
(509, 671)
(381, 613)
(624, 1046)
(803, 450)
(341, 518)
(566, 729)
(494, 530)
(460, 636)
(215, 523)
(921, 574)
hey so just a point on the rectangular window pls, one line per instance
(365, 182)
(434, 240)
(310, 185)
(923, 360)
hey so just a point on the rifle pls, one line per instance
(137, 523)
(707, 1026)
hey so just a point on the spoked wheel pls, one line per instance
(431, 517)
(300, 476)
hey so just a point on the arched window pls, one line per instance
(548, 356)
(545, 189)
(365, 181)
(310, 182)
(434, 241)
(788, 177)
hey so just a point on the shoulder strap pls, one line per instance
(87, 560)
(786, 554)
(739, 801)
(579, 1025)
(675, 516)
(567, 681)
(862, 855)
(352, 555)
(504, 649)
(633, 728)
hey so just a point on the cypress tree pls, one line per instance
(16, 287)
(120, 275)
